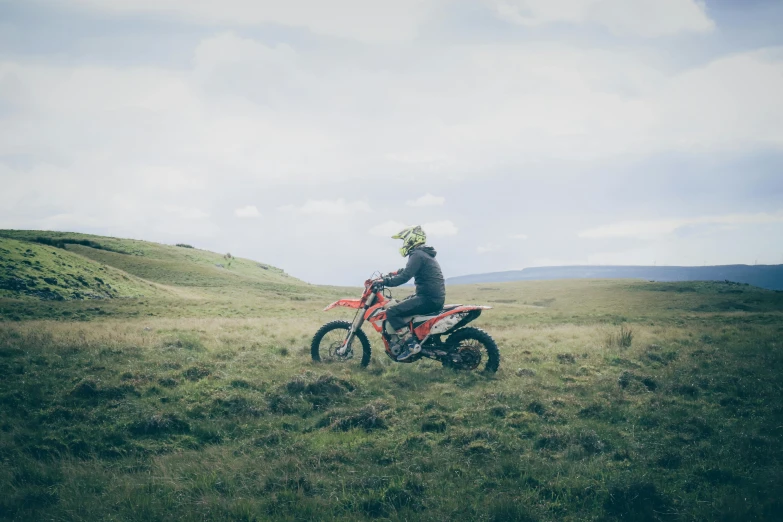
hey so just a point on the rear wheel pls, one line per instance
(330, 337)
(474, 349)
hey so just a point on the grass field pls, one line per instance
(615, 400)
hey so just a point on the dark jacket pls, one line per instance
(425, 272)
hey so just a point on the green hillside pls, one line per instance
(153, 280)
(44, 272)
(169, 265)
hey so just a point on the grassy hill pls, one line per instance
(48, 273)
(170, 265)
(155, 279)
(202, 403)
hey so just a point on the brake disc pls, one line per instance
(470, 357)
(333, 351)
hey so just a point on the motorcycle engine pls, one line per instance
(395, 348)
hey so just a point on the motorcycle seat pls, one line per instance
(418, 319)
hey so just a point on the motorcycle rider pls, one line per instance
(430, 287)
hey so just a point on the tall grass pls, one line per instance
(205, 405)
(622, 338)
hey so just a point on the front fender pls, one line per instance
(348, 303)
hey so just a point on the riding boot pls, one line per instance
(411, 347)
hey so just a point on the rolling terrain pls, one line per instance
(189, 394)
(763, 276)
(174, 265)
(48, 273)
(152, 279)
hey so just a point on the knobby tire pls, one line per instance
(341, 325)
(477, 334)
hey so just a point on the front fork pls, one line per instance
(357, 323)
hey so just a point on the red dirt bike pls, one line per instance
(465, 348)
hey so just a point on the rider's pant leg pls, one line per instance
(416, 305)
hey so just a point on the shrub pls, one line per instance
(184, 245)
(64, 242)
(620, 339)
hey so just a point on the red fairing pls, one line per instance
(349, 303)
(376, 315)
(358, 303)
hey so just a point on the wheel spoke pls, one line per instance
(330, 338)
(330, 343)
(476, 349)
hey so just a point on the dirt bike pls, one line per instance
(464, 348)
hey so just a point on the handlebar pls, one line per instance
(376, 283)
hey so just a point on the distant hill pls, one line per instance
(54, 274)
(763, 276)
(68, 266)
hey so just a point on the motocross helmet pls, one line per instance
(411, 238)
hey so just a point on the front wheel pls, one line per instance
(330, 337)
(470, 347)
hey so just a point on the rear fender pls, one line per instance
(348, 303)
(450, 320)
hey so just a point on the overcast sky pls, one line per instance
(303, 133)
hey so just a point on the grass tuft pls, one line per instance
(373, 416)
(623, 338)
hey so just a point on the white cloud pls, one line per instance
(518, 236)
(646, 18)
(731, 111)
(337, 207)
(185, 212)
(121, 204)
(229, 48)
(273, 114)
(254, 119)
(66, 221)
(432, 229)
(371, 21)
(249, 211)
(427, 200)
(440, 228)
(655, 228)
(489, 247)
(387, 228)
(167, 179)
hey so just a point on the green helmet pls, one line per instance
(411, 238)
